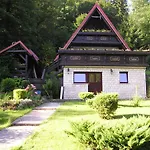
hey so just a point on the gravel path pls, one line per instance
(24, 126)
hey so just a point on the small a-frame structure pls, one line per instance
(26, 60)
(97, 59)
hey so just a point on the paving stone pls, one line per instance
(34, 118)
(24, 126)
(14, 136)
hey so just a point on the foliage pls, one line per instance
(105, 104)
(6, 65)
(5, 97)
(48, 87)
(54, 86)
(139, 26)
(136, 99)
(81, 131)
(79, 19)
(30, 103)
(7, 85)
(24, 83)
(86, 95)
(130, 133)
(30, 90)
(19, 94)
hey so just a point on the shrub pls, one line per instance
(18, 82)
(105, 103)
(128, 134)
(48, 87)
(136, 101)
(19, 94)
(55, 87)
(25, 83)
(5, 97)
(81, 131)
(55, 84)
(7, 85)
(86, 95)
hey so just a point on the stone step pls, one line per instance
(34, 118)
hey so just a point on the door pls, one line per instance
(95, 82)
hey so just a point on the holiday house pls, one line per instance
(97, 59)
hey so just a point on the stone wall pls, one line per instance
(110, 81)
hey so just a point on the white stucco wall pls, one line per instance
(110, 81)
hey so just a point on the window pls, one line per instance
(79, 77)
(123, 77)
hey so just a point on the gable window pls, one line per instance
(123, 77)
(79, 77)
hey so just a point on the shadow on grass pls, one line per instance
(75, 102)
(72, 112)
(129, 116)
(126, 105)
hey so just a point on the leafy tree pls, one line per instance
(139, 26)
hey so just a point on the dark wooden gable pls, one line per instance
(25, 60)
(96, 31)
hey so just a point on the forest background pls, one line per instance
(45, 25)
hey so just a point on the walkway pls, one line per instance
(24, 126)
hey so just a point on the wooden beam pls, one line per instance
(35, 75)
(43, 73)
(22, 57)
(26, 62)
(16, 51)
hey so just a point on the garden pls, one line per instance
(111, 124)
(18, 97)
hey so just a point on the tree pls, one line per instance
(139, 22)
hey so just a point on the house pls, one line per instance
(97, 59)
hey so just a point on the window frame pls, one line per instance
(127, 79)
(80, 73)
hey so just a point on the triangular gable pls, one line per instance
(30, 52)
(106, 19)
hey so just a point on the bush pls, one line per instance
(86, 95)
(136, 101)
(105, 103)
(19, 94)
(7, 85)
(25, 83)
(48, 87)
(128, 134)
(5, 97)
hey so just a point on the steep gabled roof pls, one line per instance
(30, 52)
(106, 19)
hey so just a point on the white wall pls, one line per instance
(110, 81)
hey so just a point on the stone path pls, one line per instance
(24, 126)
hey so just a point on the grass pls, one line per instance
(51, 134)
(8, 116)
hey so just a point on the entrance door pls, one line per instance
(95, 82)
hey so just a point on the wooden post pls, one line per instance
(26, 62)
(43, 73)
(35, 75)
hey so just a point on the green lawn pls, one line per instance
(51, 136)
(8, 116)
